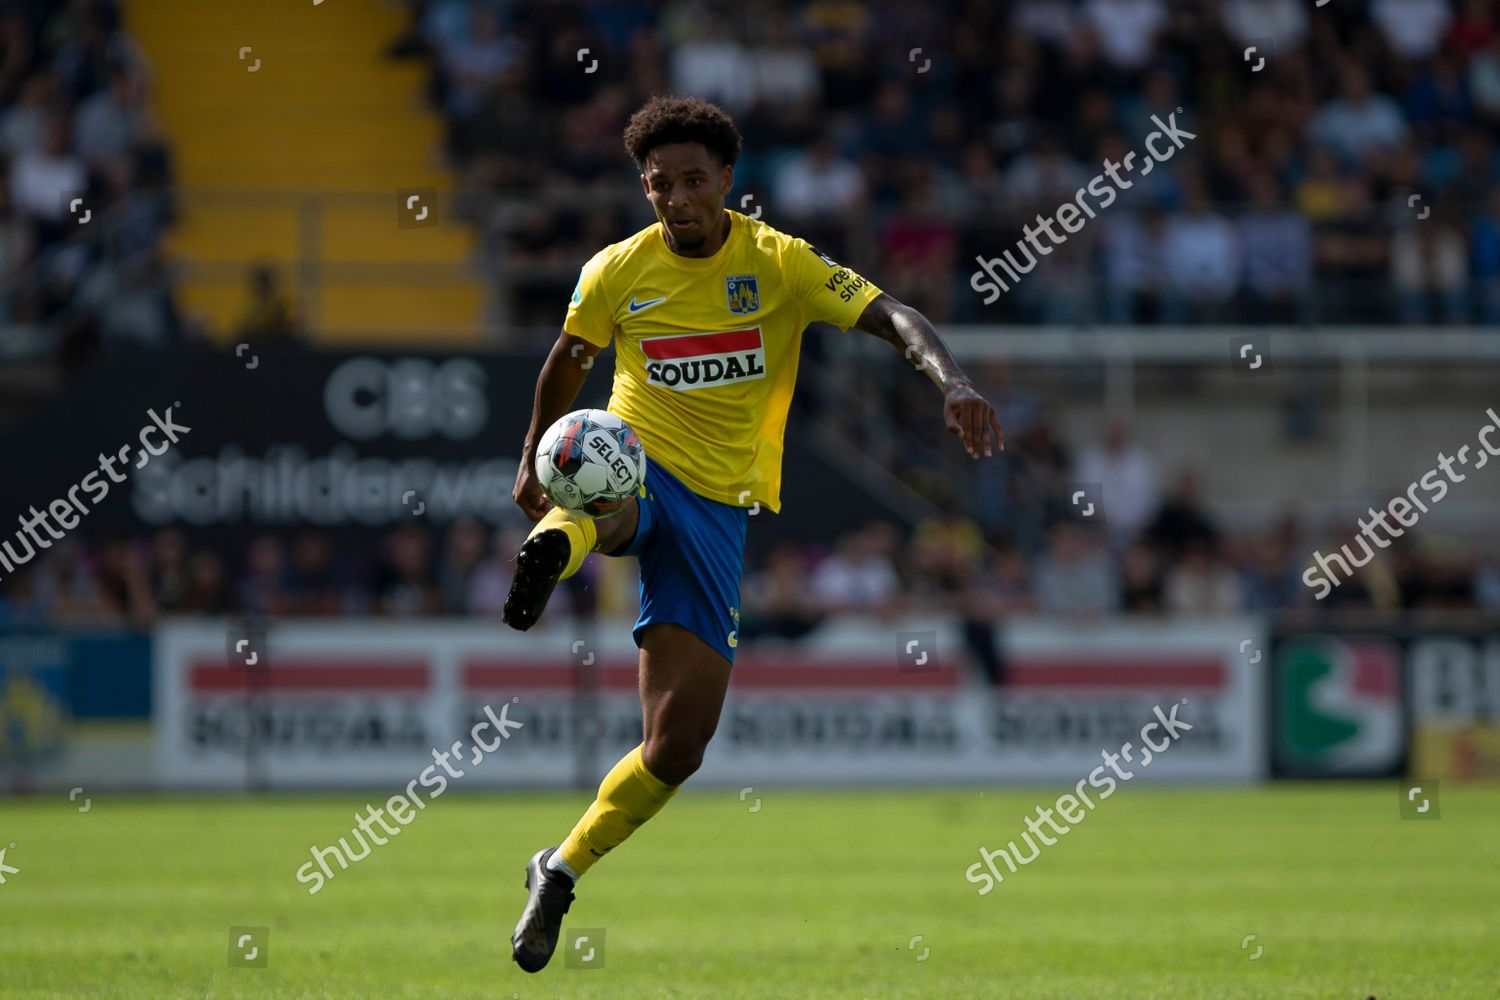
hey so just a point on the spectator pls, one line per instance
(1133, 267)
(709, 64)
(1017, 405)
(490, 582)
(125, 583)
(1360, 123)
(1437, 99)
(1484, 80)
(819, 182)
(1440, 579)
(1475, 28)
(1413, 28)
(268, 313)
(1126, 474)
(475, 61)
(1476, 171)
(313, 588)
(1277, 246)
(777, 601)
(208, 589)
(20, 603)
(1054, 22)
(917, 250)
(130, 302)
(1430, 272)
(17, 244)
(1202, 584)
(462, 558)
(1044, 176)
(838, 32)
(981, 187)
(1200, 259)
(1126, 30)
(69, 591)
(18, 53)
(1486, 260)
(785, 73)
(1274, 27)
(1352, 253)
(403, 585)
(264, 592)
(43, 179)
(1001, 588)
(1141, 591)
(1076, 577)
(23, 126)
(857, 578)
(946, 550)
(1322, 195)
(1270, 574)
(1182, 523)
(110, 124)
(1487, 584)
(169, 569)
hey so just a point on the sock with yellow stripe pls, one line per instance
(581, 531)
(628, 796)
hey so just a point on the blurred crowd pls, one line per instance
(1344, 171)
(85, 184)
(1139, 547)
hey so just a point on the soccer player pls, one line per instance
(706, 309)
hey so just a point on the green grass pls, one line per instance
(814, 896)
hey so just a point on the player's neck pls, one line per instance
(709, 247)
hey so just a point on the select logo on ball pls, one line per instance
(590, 462)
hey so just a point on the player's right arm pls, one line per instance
(563, 374)
(588, 328)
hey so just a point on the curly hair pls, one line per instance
(667, 119)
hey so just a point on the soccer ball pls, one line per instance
(590, 462)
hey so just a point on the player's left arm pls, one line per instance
(967, 413)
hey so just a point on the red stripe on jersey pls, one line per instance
(695, 344)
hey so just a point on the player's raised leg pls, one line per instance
(683, 681)
(682, 684)
(554, 551)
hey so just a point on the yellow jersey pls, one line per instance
(706, 348)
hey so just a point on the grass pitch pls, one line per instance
(814, 895)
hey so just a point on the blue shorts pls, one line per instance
(692, 551)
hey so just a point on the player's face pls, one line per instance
(686, 186)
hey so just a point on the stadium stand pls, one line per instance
(1304, 204)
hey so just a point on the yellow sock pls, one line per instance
(581, 531)
(628, 796)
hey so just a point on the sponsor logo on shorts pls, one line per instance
(704, 360)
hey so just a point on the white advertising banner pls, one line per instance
(858, 702)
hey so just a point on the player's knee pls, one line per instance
(616, 531)
(674, 760)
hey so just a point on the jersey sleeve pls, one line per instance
(590, 311)
(828, 291)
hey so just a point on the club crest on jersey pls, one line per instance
(704, 360)
(744, 293)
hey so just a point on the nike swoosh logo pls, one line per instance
(638, 306)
